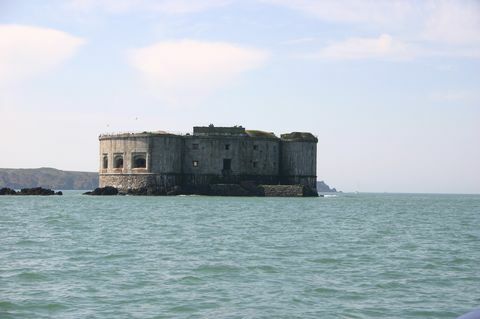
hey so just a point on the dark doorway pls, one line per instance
(227, 164)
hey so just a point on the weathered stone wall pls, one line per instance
(251, 158)
(282, 190)
(166, 154)
(158, 183)
(125, 145)
(299, 163)
(124, 182)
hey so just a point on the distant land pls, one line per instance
(322, 187)
(48, 178)
(52, 178)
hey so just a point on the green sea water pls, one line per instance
(346, 256)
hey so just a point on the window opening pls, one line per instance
(139, 161)
(105, 161)
(227, 164)
(118, 161)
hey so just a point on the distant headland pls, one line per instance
(50, 178)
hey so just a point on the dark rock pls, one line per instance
(7, 191)
(177, 190)
(287, 191)
(228, 190)
(104, 191)
(252, 188)
(36, 191)
(59, 193)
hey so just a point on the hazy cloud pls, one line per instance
(434, 28)
(26, 51)
(163, 6)
(182, 70)
(375, 12)
(383, 47)
(459, 96)
(453, 22)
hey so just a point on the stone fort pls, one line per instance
(161, 161)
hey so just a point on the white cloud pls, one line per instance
(180, 71)
(383, 47)
(26, 51)
(162, 6)
(453, 22)
(436, 27)
(459, 96)
(352, 11)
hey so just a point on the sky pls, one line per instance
(390, 88)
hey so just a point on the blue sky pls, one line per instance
(391, 88)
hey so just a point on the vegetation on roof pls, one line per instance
(257, 133)
(299, 136)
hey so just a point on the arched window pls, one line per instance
(118, 161)
(139, 161)
(105, 162)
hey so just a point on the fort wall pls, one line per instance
(160, 161)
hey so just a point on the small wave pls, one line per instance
(217, 268)
(183, 309)
(325, 290)
(264, 268)
(7, 305)
(325, 260)
(31, 276)
(190, 280)
(117, 256)
(28, 242)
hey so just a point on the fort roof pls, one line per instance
(299, 136)
(218, 130)
(135, 134)
(257, 133)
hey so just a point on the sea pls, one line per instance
(339, 256)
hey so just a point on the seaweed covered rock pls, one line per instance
(7, 191)
(104, 191)
(29, 191)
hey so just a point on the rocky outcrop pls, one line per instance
(107, 190)
(29, 191)
(243, 189)
(7, 191)
(322, 187)
(287, 191)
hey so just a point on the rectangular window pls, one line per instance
(195, 163)
(194, 146)
(139, 160)
(227, 146)
(105, 161)
(254, 164)
(227, 164)
(255, 147)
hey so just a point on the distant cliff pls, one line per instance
(324, 188)
(47, 178)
